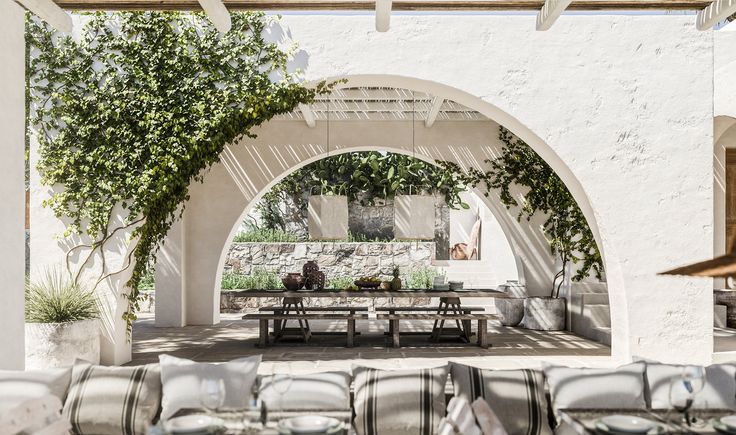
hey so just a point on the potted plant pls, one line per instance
(62, 322)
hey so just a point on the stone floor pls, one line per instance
(233, 338)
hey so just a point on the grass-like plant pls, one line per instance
(340, 282)
(421, 278)
(265, 235)
(258, 279)
(55, 298)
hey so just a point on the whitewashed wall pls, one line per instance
(618, 105)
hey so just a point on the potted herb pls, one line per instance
(62, 322)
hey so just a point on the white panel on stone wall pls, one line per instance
(328, 217)
(414, 217)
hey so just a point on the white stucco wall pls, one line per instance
(12, 185)
(619, 105)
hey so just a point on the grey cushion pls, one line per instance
(596, 388)
(113, 400)
(399, 402)
(328, 391)
(719, 390)
(16, 386)
(515, 396)
(181, 380)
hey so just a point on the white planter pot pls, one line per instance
(511, 310)
(544, 313)
(59, 344)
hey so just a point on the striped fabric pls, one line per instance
(516, 396)
(113, 400)
(399, 402)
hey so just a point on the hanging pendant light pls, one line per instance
(327, 215)
(414, 215)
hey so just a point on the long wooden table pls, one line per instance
(449, 308)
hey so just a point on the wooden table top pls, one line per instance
(413, 293)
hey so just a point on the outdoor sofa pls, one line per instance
(113, 400)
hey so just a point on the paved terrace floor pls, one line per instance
(234, 337)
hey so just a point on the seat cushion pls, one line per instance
(584, 388)
(515, 396)
(181, 380)
(113, 400)
(719, 391)
(333, 392)
(399, 402)
(17, 387)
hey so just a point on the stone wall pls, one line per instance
(336, 259)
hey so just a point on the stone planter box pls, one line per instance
(59, 344)
(511, 310)
(544, 313)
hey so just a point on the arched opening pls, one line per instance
(248, 169)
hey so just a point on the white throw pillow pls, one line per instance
(584, 388)
(181, 380)
(719, 391)
(16, 386)
(328, 391)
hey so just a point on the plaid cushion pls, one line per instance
(516, 396)
(399, 402)
(112, 400)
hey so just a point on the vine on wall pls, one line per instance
(135, 110)
(565, 227)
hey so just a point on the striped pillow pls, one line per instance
(516, 396)
(113, 400)
(399, 402)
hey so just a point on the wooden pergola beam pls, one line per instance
(48, 11)
(716, 12)
(550, 12)
(308, 115)
(398, 5)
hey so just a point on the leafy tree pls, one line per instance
(566, 228)
(135, 111)
(362, 177)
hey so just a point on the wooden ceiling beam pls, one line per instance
(716, 12)
(550, 12)
(383, 15)
(397, 5)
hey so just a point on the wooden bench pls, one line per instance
(482, 320)
(264, 318)
(438, 329)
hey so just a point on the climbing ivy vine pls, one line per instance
(565, 226)
(131, 113)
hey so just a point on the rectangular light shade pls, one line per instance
(327, 217)
(414, 217)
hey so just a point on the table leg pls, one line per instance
(434, 326)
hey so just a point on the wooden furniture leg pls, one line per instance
(263, 333)
(434, 326)
(351, 332)
(394, 325)
(483, 333)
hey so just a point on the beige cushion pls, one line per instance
(113, 400)
(576, 388)
(719, 391)
(399, 402)
(17, 387)
(181, 380)
(515, 396)
(328, 391)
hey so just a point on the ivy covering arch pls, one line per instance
(133, 111)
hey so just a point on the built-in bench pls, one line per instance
(438, 329)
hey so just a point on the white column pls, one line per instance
(12, 184)
(170, 283)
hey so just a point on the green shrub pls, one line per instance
(258, 279)
(265, 235)
(54, 298)
(340, 282)
(148, 281)
(422, 278)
